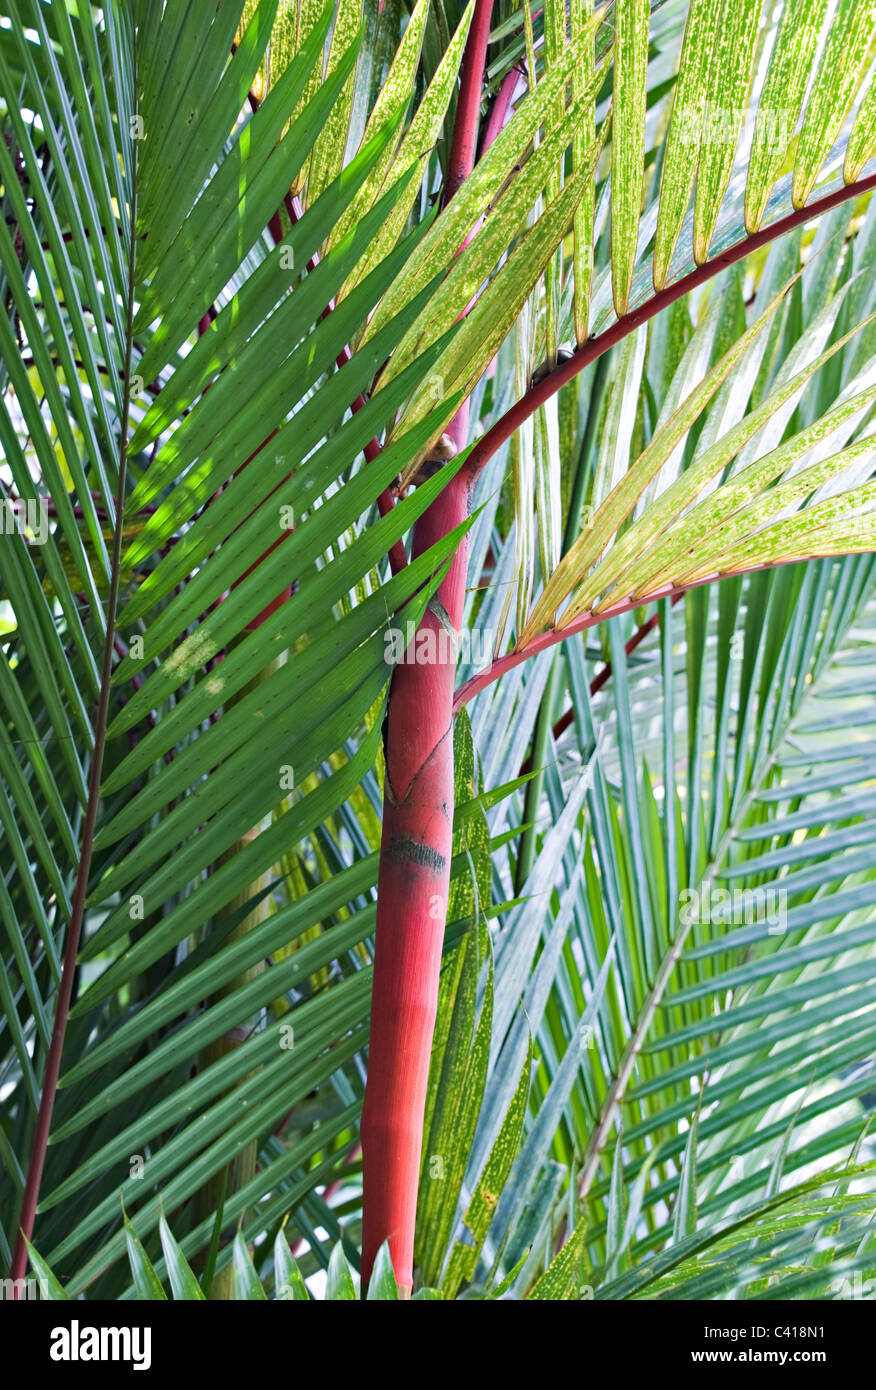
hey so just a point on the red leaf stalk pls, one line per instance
(463, 146)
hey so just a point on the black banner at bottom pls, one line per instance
(77, 1339)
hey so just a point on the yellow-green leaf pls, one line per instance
(417, 145)
(628, 142)
(327, 158)
(839, 74)
(394, 94)
(624, 566)
(580, 13)
(573, 568)
(683, 137)
(483, 331)
(730, 69)
(473, 265)
(790, 63)
(862, 141)
(691, 534)
(481, 188)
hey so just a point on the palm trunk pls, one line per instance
(413, 886)
(417, 836)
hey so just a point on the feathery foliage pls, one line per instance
(239, 315)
